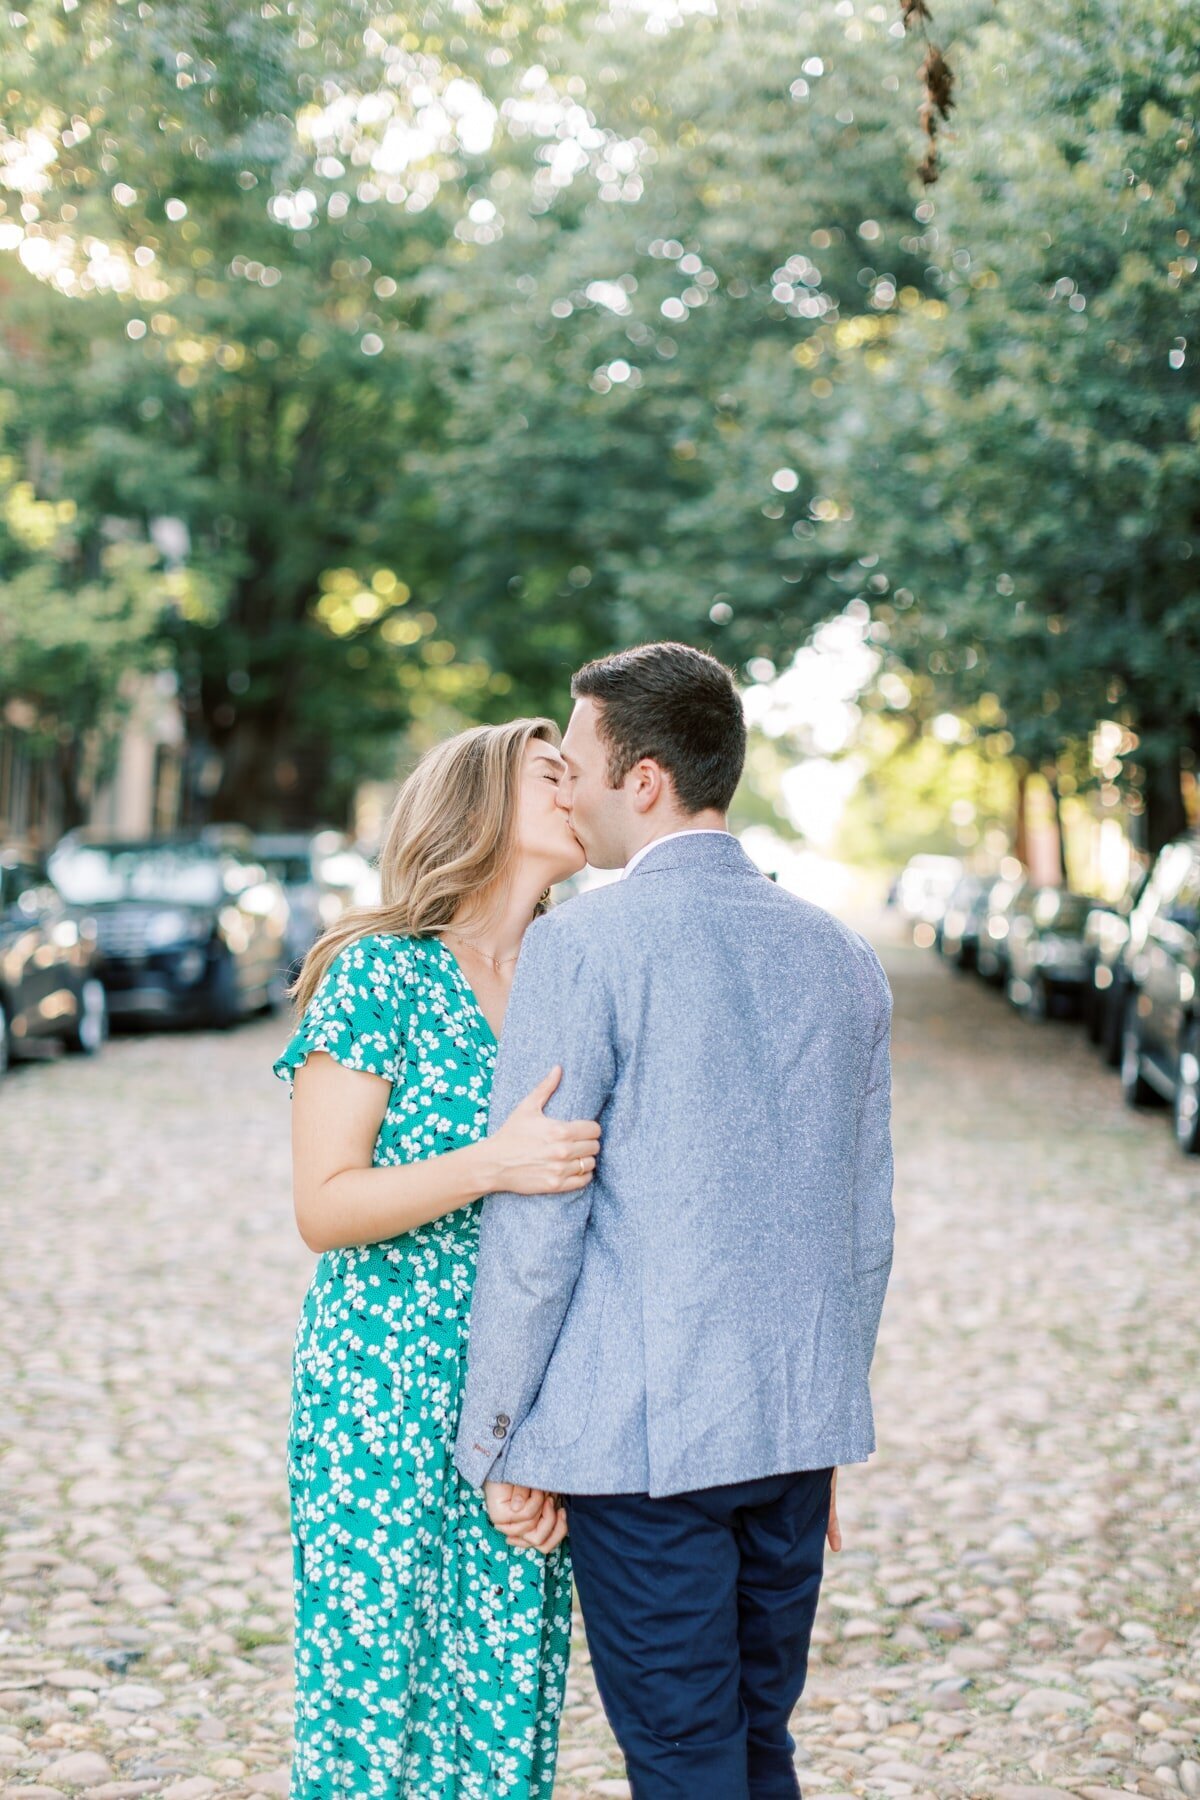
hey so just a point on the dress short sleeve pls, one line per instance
(358, 1014)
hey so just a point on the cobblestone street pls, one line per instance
(1016, 1612)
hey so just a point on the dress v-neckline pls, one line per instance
(468, 992)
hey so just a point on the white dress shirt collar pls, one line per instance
(688, 831)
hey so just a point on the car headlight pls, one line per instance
(167, 928)
(190, 965)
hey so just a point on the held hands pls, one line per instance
(536, 1155)
(527, 1518)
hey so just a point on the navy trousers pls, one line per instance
(698, 1610)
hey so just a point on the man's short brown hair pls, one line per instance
(678, 707)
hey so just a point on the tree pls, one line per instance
(639, 402)
(1025, 459)
(228, 216)
(467, 351)
(321, 322)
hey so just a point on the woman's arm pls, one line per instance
(340, 1199)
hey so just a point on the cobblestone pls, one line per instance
(1016, 1611)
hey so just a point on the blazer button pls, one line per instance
(499, 1431)
(503, 1419)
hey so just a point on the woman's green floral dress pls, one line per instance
(430, 1657)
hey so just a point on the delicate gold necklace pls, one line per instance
(497, 962)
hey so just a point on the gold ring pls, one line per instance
(582, 1166)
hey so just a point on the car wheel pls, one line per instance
(1022, 995)
(5, 1043)
(1135, 1089)
(226, 1008)
(1187, 1093)
(90, 1031)
(1040, 1005)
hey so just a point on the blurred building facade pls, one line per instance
(130, 784)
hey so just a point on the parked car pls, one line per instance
(1006, 900)
(50, 985)
(1046, 962)
(924, 887)
(962, 921)
(322, 874)
(190, 927)
(1160, 1035)
(1106, 982)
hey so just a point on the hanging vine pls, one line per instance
(937, 82)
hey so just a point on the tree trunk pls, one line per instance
(69, 771)
(1164, 816)
(1051, 775)
(1021, 817)
(268, 782)
(253, 760)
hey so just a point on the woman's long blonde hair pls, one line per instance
(451, 836)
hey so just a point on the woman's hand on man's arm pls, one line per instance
(341, 1198)
(532, 1154)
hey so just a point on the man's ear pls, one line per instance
(646, 783)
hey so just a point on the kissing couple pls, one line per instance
(602, 1200)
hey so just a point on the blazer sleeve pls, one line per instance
(872, 1198)
(531, 1246)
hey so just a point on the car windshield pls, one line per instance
(179, 874)
(1062, 912)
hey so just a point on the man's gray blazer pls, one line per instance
(706, 1309)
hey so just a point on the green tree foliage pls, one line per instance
(230, 216)
(641, 404)
(439, 352)
(1027, 456)
(461, 353)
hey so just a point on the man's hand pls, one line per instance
(526, 1517)
(835, 1531)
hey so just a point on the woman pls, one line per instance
(431, 1650)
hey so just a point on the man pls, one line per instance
(682, 1349)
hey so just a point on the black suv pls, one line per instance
(50, 983)
(1160, 1037)
(190, 927)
